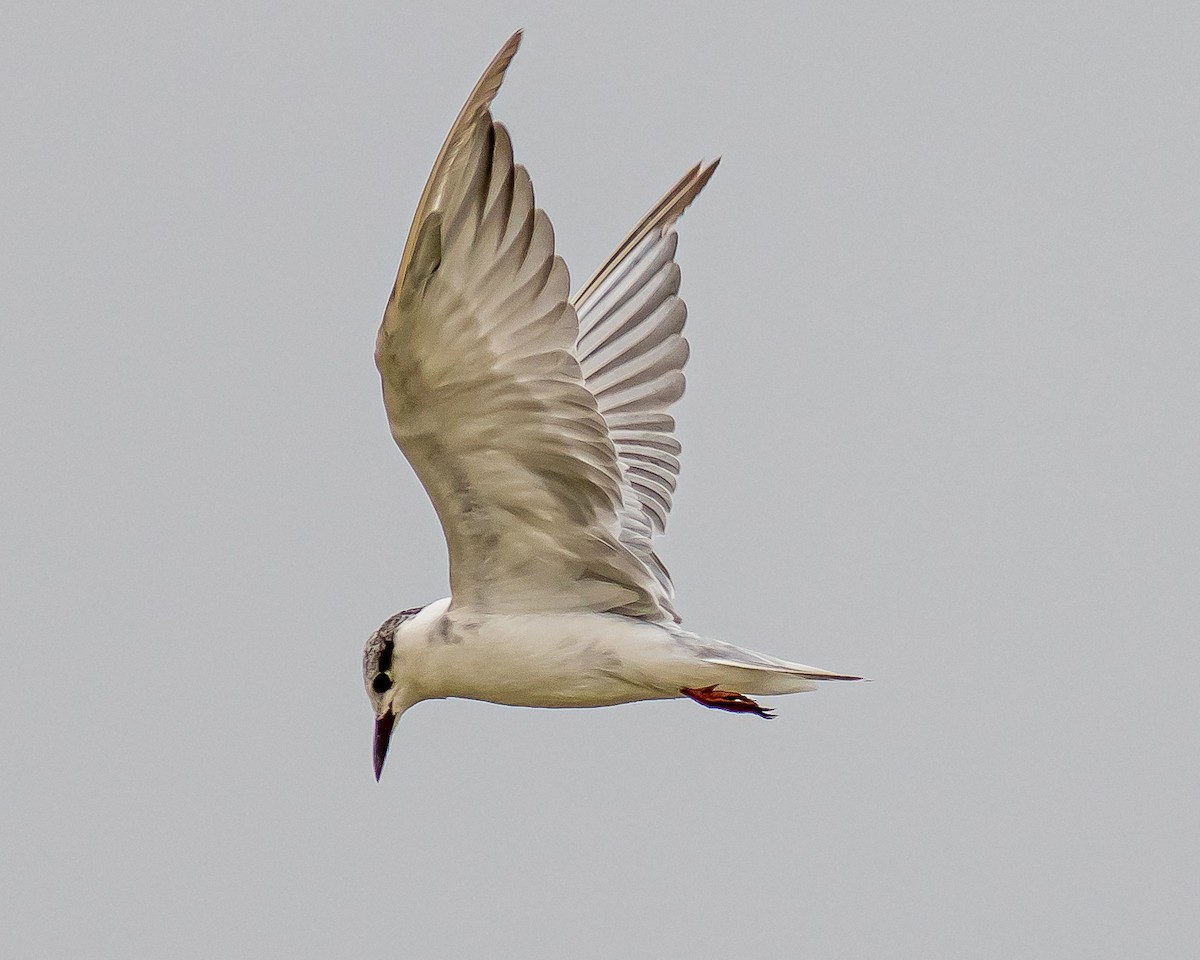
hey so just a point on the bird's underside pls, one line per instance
(580, 659)
(539, 425)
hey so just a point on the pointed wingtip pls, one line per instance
(505, 54)
(661, 217)
(474, 111)
(489, 82)
(700, 181)
(676, 200)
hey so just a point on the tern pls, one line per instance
(537, 422)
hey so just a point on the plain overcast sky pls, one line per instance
(941, 429)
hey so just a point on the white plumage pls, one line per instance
(539, 426)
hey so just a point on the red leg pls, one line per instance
(710, 696)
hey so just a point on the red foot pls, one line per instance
(710, 696)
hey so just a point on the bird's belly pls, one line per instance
(549, 660)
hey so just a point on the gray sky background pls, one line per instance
(941, 429)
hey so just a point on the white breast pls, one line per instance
(541, 660)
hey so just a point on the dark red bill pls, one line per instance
(383, 733)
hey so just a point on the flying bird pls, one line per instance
(537, 423)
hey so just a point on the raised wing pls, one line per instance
(631, 351)
(485, 397)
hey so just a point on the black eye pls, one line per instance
(382, 683)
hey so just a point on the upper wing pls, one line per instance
(631, 350)
(485, 397)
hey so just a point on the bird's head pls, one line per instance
(386, 687)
